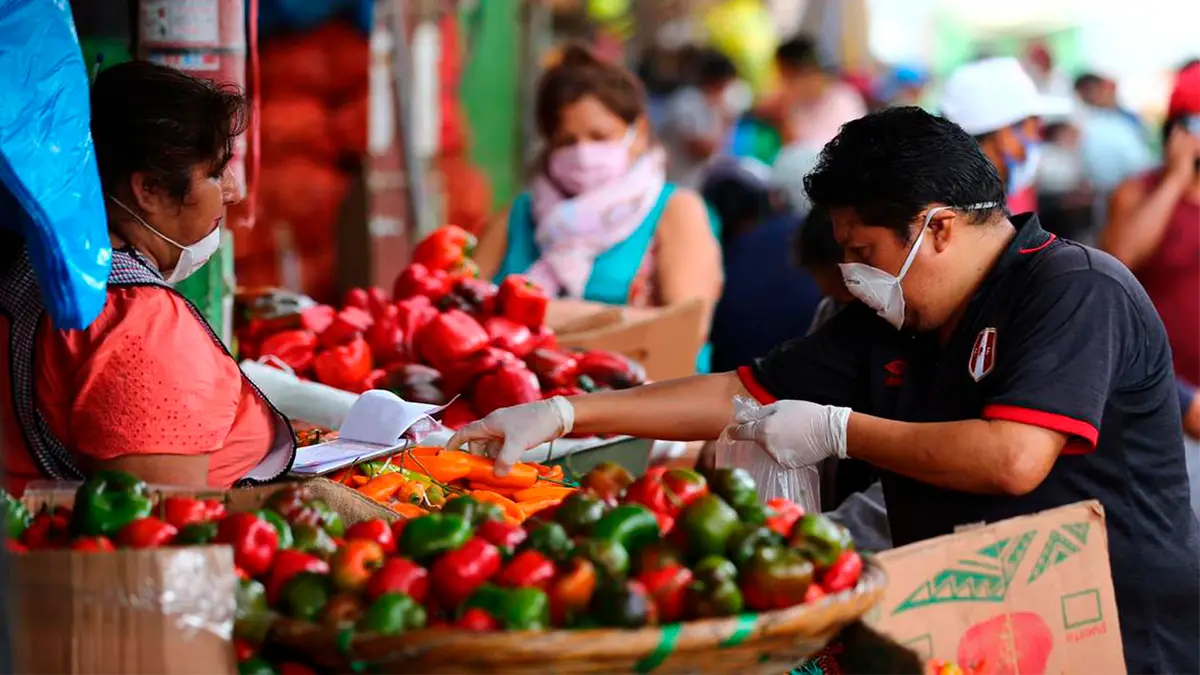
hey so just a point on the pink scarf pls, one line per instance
(572, 232)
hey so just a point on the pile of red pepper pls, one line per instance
(443, 332)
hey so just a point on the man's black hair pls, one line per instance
(799, 53)
(814, 245)
(891, 165)
(1087, 80)
(714, 68)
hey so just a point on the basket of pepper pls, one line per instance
(673, 572)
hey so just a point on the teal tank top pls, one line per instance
(614, 270)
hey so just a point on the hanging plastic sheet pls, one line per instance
(49, 186)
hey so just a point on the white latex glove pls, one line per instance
(507, 433)
(794, 433)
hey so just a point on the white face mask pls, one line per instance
(737, 98)
(883, 292)
(191, 258)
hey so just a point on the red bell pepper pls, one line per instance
(296, 348)
(344, 367)
(353, 564)
(458, 414)
(650, 491)
(348, 325)
(181, 511)
(415, 382)
(146, 533)
(14, 546)
(522, 301)
(511, 384)
(450, 338)
(357, 297)
(399, 575)
(813, 594)
(457, 574)
(503, 535)
(377, 379)
(445, 249)
(385, 336)
(610, 369)
(317, 319)
(377, 300)
(414, 314)
(459, 376)
(477, 620)
(667, 586)
(48, 529)
(783, 515)
(417, 280)
(215, 510)
(554, 367)
(376, 530)
(97, 544)
(287, 564)
(293, 668)
(528, 568)
(508, 335)
(684, 486)
(843, 573)
(544, 338)
(477, 295)
(253, 539)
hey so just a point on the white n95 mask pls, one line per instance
(883, 292)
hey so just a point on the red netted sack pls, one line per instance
(348, 57)
(295, 65)
(349, 127)
(296, 125)
(298, 188)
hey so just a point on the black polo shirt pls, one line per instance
(1059, 336)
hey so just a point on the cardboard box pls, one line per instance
(1027, 595)
(157, 611)
(666, 340)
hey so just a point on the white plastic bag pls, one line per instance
(802, 486)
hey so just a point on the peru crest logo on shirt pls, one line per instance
(983, 354)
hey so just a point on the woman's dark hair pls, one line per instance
(800, 53)
(891, 165)
(162, 122)
(814, 246)
(714, 68)
(581, 73)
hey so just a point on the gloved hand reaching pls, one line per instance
(794, 433)
(507, 433)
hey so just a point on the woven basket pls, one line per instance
(770, 643)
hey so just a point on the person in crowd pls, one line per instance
(995, 101)
(902, 85)
(763, 287)
(1152, 226)
(1113, 145)
(699, 118)
(811, 103)
(1049, 78)
(148, 387)
(601, 222)
(1065, 198)
(989, 370)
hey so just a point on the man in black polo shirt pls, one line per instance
(990, 371)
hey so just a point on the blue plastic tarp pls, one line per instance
(50, 185)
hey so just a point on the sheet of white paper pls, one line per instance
(325, 457)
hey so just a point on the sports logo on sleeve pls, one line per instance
(983, 354)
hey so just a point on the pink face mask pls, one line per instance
(590, 164)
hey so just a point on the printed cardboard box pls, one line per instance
(1027, 595)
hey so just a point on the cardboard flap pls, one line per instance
(664, 340)
(1032, 594)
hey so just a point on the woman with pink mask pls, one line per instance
(600, 221)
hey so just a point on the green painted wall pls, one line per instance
(489, 91)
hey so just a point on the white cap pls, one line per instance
(990, 94)
(787, 174)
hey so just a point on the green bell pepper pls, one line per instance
(754, 514)
(625, 605)
(393, 614)
(306, 594)
(108, 501)
(706, 599)
(820, 539)
(331, 520)
(253, 617)
(656, 556)
(196, 534)
(526, 608)
(313, 540)
(579, 512)
(706, 526)
(630, 525)
(256, 665)
(735, 486)
(774, 578)
(16, 516)
(282, 528)
(610, 558)
(748, 539)
(549, 539)
(715, 568)
(427, 536)
(472, 510)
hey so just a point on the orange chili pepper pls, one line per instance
(528, 508)
(443, 467)
(407, 510)
(483, 470)
(412, 492)
(542, 491)
(510, 507)
(383, 486)
(506, 491)
(572, 590)
(359, 479)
